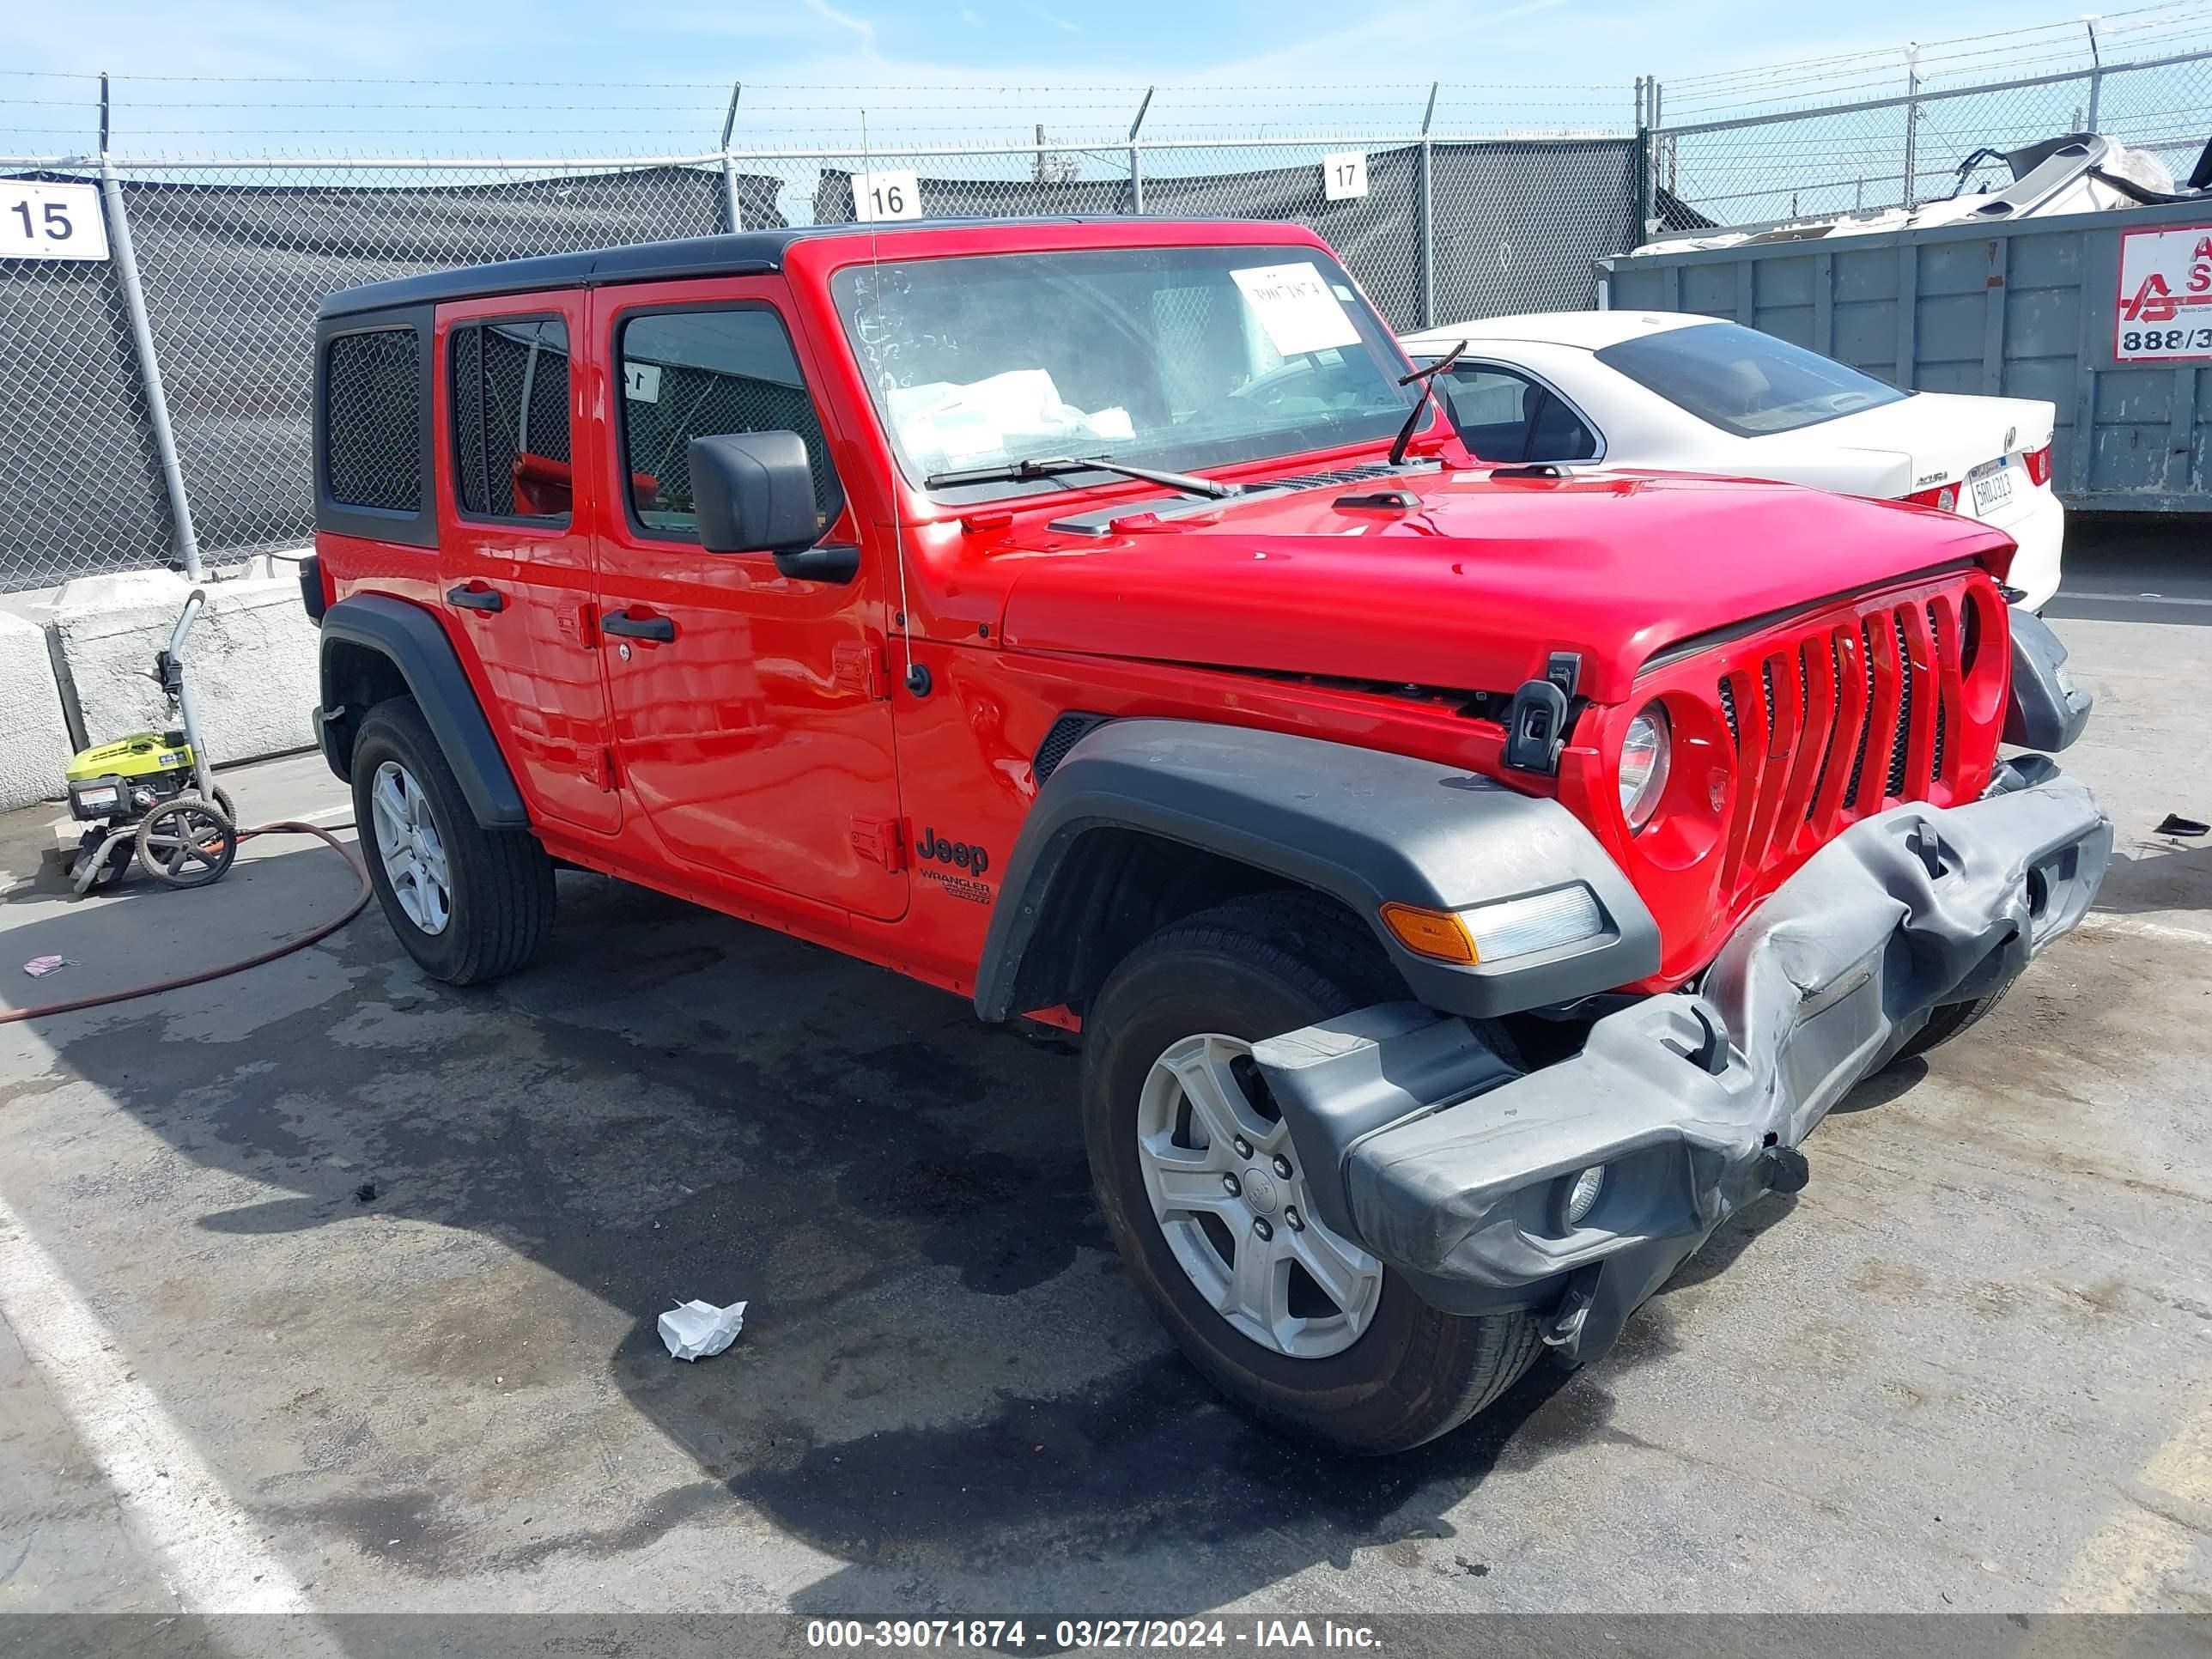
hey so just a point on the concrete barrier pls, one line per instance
(34, 743)
(251, 659)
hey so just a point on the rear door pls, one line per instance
(516, 576)
(751, 712)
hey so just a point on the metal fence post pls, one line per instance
(2096, 72)
(1647, 214)
(1911, 126)
(1428, 214)
(150, 366)
(730, 206)
(1646, 197)
(1136, 156)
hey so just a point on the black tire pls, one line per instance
(1250, 969)
(501, 880)
(187, 842)
(1949, 1020)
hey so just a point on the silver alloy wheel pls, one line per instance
(407, 841)
(1235, 1208)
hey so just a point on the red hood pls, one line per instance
(1471, 590)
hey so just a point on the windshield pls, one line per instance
(1743, 381)
(1172, 358)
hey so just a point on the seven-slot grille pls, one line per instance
(1840, 715)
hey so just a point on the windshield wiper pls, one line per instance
(1057, 466)
(1427, 377)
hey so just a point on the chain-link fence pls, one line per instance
(232, 258)
(1865, 131)
(1475, 202)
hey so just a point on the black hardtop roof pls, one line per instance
(742, 253)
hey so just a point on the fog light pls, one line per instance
(1581, 1197)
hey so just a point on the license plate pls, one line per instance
(1992, 483)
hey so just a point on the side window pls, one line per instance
(509, 394)
(372, 453)
(1557, 434)
(1492, 410)
(689, 375)
(1504, 417)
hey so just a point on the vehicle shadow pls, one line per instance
(2165, 874)
(943, 1374)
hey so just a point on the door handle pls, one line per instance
(622, 623)
(470, 597)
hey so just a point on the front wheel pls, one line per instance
(1208, 1204)
(1949, 1020)
(469, 904)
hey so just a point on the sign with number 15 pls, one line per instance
(52, 222)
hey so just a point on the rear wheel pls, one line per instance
(1208, 1202)
(469, 904)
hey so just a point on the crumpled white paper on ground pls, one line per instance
(700, 1330)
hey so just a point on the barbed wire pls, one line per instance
(1979, 46)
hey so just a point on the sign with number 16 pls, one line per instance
(886, 196)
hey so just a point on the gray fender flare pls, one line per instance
(2045, 710)
(415, 643)
(1364, 826)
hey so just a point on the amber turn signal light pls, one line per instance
(1438, 934)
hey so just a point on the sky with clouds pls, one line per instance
(809, 64)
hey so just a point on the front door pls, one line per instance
(515, 566)
(751, 712)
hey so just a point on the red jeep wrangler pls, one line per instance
(1470, 884)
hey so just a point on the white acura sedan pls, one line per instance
(1671, 392)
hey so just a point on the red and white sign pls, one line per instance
(2165, 297)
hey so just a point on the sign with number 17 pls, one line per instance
(51, 222)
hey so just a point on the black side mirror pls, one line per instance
(754, 493)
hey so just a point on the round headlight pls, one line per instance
(1644, 759)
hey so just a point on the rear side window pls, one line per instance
(689, 375)
(1743, 381)
(1504, 417)
(509, 392)
(373, 454)
(1491, 407)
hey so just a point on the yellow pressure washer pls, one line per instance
(153, 793)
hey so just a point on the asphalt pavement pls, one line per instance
(329, 1287)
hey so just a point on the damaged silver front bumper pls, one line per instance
(1427, 1148)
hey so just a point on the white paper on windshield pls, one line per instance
(1019, 410)
(1294, 305)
